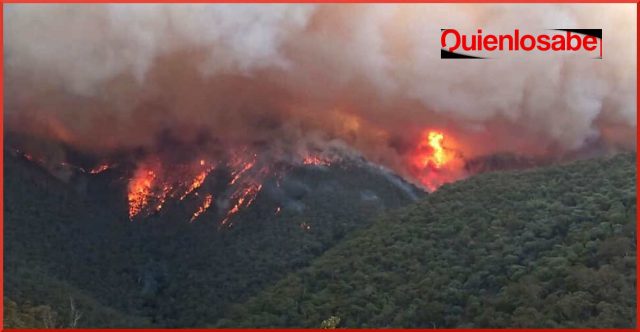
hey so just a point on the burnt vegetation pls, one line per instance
(547, 247)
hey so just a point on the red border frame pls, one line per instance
(320, 1)
(2, 171)
(637, 328)
(637, 169)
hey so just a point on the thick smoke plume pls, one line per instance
(289, 79)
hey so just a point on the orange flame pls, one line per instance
(99, 169)
(140, 190)
(205, 205)
(243, 200)
(432, 161)
(315, 160)
(196, 183)
(163, 196)
(247, 166)
(151, 187)
(438, 156)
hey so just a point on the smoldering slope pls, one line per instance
(289, 78)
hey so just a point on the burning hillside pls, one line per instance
(244, 174)
(246, 88)
(230, 183)
(434, 160)
(214, 190)
(160, 177)
(168, 162)
(302, 209)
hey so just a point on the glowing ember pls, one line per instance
(154, 183)
(196, 183)
(315, 160)
(243, 199)
(205, 205)
(99, 169)
(140, 190)
(163, 196)
(247, 166)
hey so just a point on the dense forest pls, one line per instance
(552, 247)
(546, 247)
(72, 241)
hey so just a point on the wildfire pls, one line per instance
(437, 156)
(315, 160)
(99, 169)
(243, 199)
(432, 161)
(140, 190)
(205, 205)
(154, 183)
(166, 189)
(236, 175)
(196, 183)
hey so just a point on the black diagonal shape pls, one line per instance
(444, 54)
(587, 32)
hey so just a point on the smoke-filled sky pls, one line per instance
(293, 77)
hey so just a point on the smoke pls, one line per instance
(289, 79)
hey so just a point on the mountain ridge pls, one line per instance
(547, 247)
(160, 269)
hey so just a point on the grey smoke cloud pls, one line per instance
(369, 76)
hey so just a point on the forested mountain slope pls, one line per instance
(549, 247)
(72, 241)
